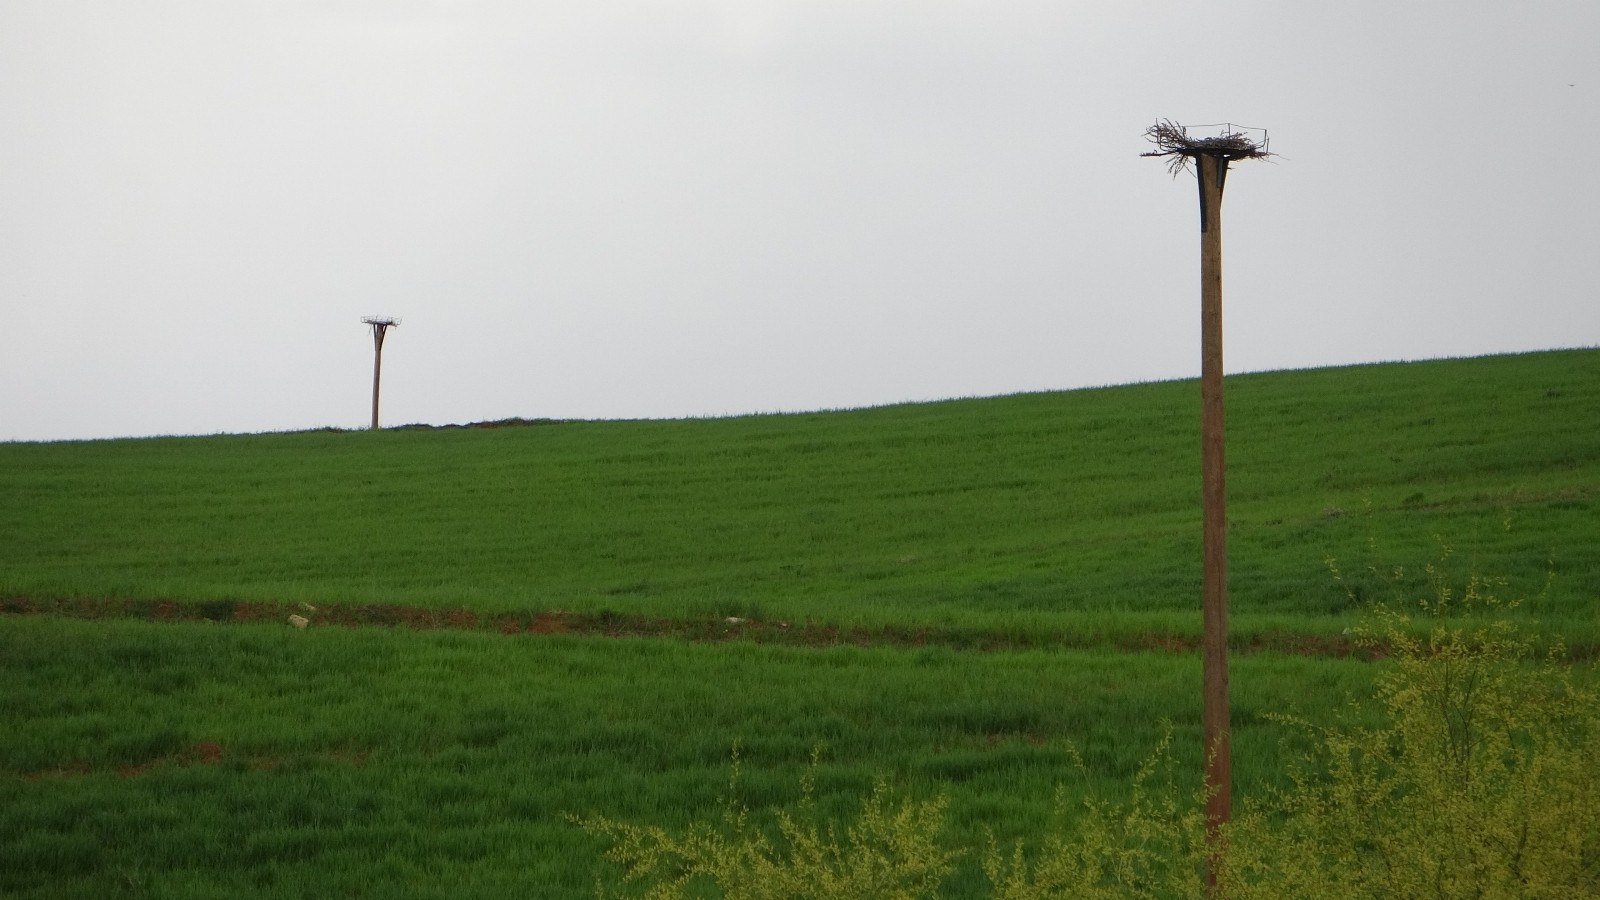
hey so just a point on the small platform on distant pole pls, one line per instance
(1225, 140)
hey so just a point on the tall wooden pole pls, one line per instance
(1211, 155)
(380, 325)
(377, 369)
(1213, 173)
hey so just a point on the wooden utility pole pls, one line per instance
(1213, 172)
(1211, 156)
(380, 324)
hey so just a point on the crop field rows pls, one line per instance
(231, 759)
(509, 626)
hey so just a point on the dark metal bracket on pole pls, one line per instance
(1208, 209)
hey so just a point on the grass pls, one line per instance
(204, 758)
(256, 760)
(1027, 512)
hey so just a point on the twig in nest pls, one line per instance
(1173, 140)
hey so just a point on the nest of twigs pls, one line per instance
(1173, 141)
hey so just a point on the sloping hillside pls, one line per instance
(1046, 510)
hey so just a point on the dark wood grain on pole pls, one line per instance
(1213, 171)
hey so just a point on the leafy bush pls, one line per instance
(1481, 780)
(1152, 845)
(892, 852)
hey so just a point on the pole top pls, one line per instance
(1225, 141)
(380, 324)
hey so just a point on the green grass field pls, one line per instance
(198, 760)
(212, 756)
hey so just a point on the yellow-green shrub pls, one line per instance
(1152, 845)
(1482, 780)
(891, 852)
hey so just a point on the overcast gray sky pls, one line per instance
(665, 208)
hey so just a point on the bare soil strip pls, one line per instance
(618, 625)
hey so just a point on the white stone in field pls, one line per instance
(299, 621)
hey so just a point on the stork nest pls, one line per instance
(1173, 141)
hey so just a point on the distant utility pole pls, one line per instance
(380, 324)
(1211, 156)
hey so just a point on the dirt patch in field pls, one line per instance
(201, 753)
(607, 623)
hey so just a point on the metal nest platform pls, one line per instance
(1225, 141)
